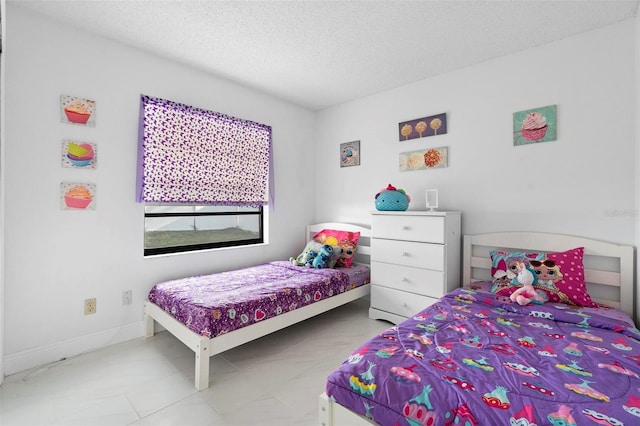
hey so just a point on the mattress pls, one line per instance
(219, 303)
(475, 358)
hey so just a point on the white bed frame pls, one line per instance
(609, 273)
(205, 348)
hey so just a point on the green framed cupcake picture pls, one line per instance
(535, 125)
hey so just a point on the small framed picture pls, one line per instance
(350, 154)
(425, 159)
(80, 111)
(77, 196)
(423, 127)
(535, 125)
(79, 155)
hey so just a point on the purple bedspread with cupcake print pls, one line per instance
(215, 304)
(476, 358)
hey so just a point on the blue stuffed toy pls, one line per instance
(311, 255)
(392, 198)
(306, 257)
(322, 258)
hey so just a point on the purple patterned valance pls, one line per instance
(195, 156)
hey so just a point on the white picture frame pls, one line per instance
(431, 199)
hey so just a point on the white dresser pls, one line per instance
(415, 260)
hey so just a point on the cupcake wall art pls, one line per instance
(80, 111)
(77, 196)
(79, 155)
(422, 127)
(350, 154)
(535, 125)
(425, 159)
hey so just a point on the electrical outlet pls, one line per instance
(127, 297)
(90, 306)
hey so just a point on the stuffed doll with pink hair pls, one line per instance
(527, 293)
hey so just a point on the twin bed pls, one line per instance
(476, 358)
(253, 302)
(473, 358)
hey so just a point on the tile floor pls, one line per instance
(275, 380)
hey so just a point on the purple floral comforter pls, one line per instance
(215, 304)
(475, 358)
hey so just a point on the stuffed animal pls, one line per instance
(336, 252)
(306, 257)
(335, 257)
(311, 256)
(347, 250)
(302, 257)
(392, 198)
(322, 257)
(527, 293)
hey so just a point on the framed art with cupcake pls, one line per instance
(350, 154)
(535, 125)
(79, 155)
(77, 196)
(80, 111)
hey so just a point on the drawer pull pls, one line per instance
(404, 279)
(405, 228)
(405, 254)
(404, 305)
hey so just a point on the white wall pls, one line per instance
(637, 180)
(54, 258)
(2, 190)
(581, 184)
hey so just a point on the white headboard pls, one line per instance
(609, 268)
(363, 251)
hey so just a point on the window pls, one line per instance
(172, 229)
(204, 177)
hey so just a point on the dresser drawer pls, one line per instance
(398, 302)
(409, 228)
(415, 280)
(408, 253)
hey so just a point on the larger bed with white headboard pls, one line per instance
(178, 305)
(476, 357)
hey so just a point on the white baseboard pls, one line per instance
(31, 358)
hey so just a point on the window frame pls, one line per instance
(211, 245)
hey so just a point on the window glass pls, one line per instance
(173, 229)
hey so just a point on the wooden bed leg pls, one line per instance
(202, 365)
(324, 414)
(149, 326)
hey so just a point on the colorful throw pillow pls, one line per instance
(560, 275)
(346, 240)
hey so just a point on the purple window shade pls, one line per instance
(194, 156)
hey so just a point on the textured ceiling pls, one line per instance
(322, 53)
